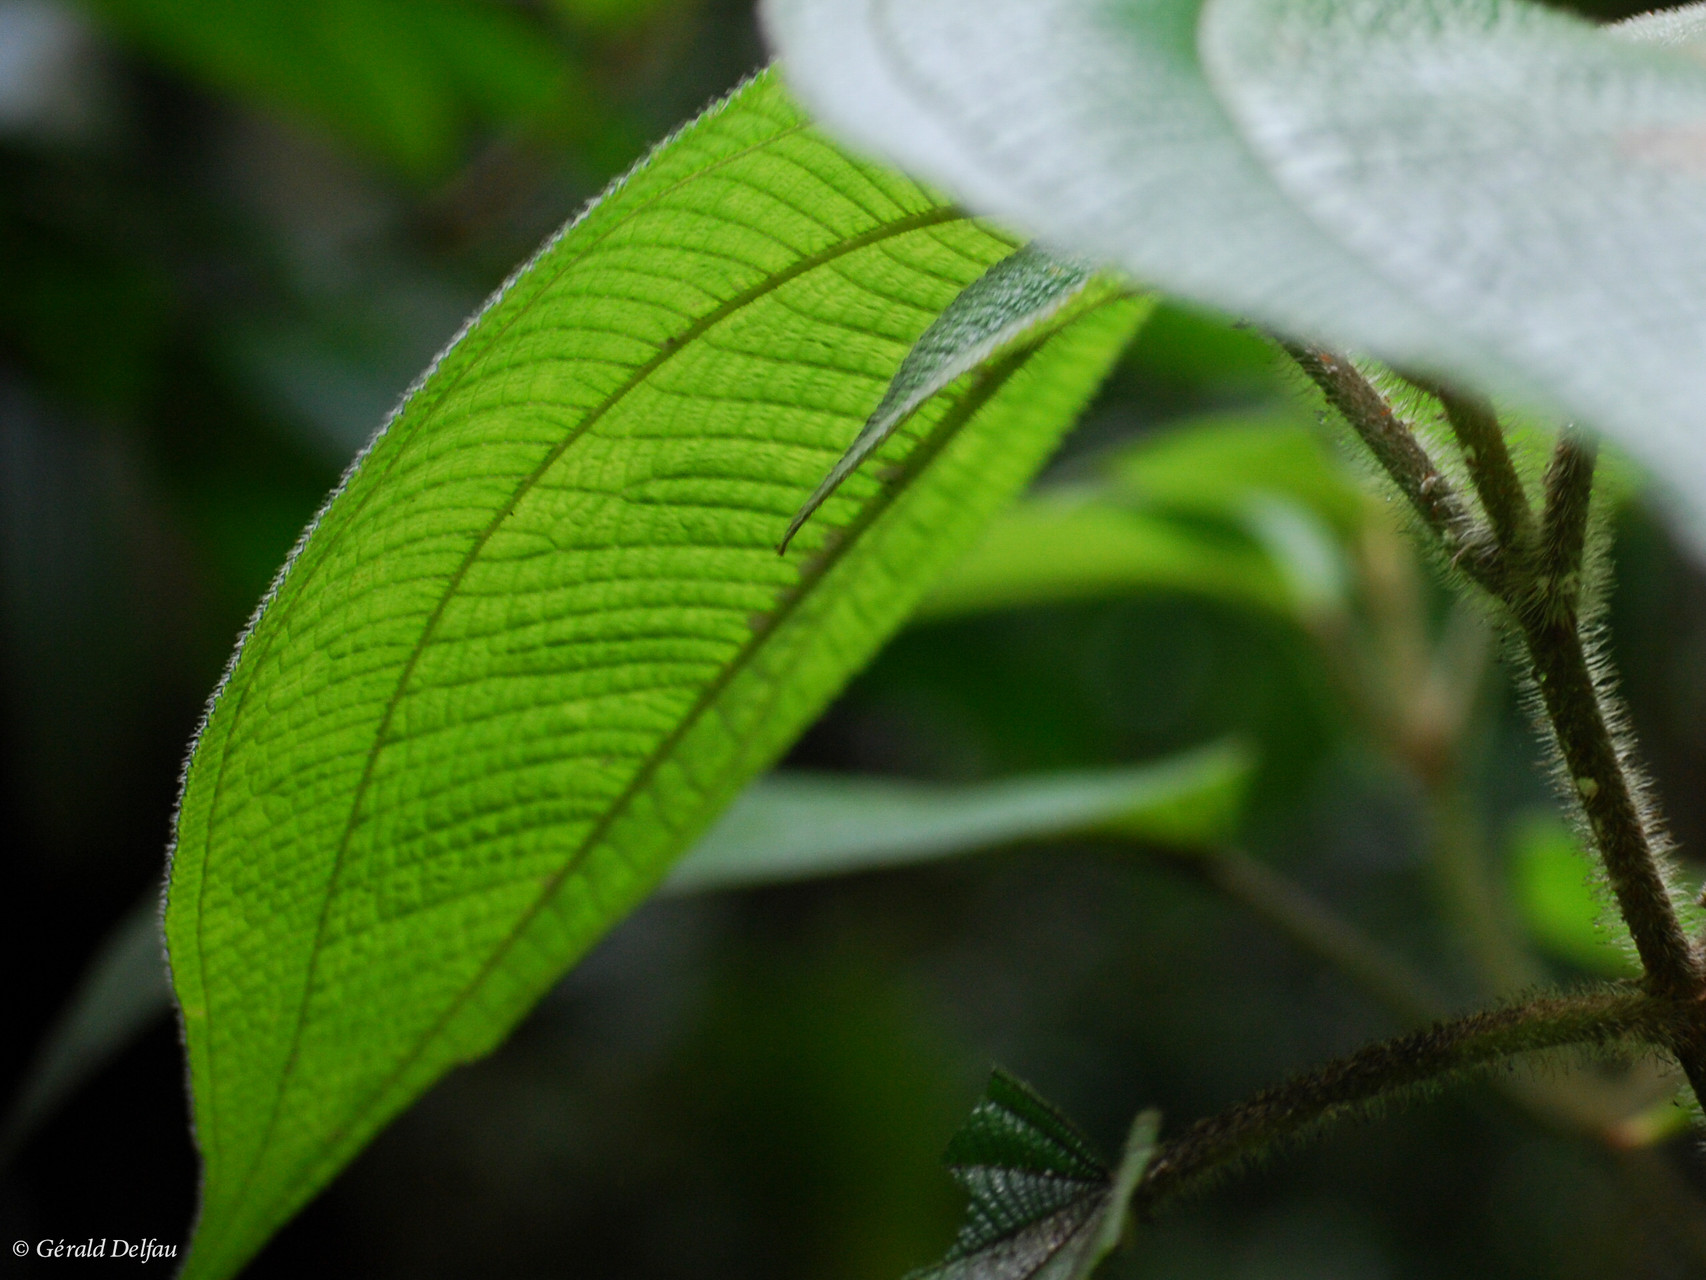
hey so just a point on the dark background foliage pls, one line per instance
(230, 234)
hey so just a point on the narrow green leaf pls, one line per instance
(541, 637)
(792, 826)
(1490, 191)
(121, 993)
(1002, 305)
(1043, 1206)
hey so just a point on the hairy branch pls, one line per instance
(1542, 599)
(1402, 457)
(1563, 535)
(1397, 1068)
(1490, 468)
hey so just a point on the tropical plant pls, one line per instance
(680, 478)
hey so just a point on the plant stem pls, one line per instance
(1402, 457)
(1543, 602)
(1316, 929)
(1394, 1068)
(1563, 536)
(1490, 468)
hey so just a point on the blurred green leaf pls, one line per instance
(1057, 547)
(1248, 510)
(997, 309)
(123, 990)
(1042, 1206)
(1212, 466)
(1554, 894)
(541, 637)
(785, 826)
(398, 79)
(794, 826)
(612, 17)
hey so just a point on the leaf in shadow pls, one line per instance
(1043, 1205)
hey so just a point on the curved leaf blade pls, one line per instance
(120, 995)
(999, 307)
(1488, 191)
(541, 636)
(1527, 178)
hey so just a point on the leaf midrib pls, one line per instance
(672, 347)
(470, 332)
(985, 386)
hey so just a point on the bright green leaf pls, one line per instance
(541, 635)
(998, 308)
(1487, 190)
(1042, 1206)
(792, 826)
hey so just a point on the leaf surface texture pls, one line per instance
(541, 636)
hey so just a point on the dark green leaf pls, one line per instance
(1002, 305)
(1043, 1206)
(396, 78)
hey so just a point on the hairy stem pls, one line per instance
(1395, 1068)
(1606, 794)
(1490, 468)
(1543, 603)
(1402, 457)
(1563, 535)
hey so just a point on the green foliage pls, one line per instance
(1435, 182)
(540, 637)
(999, 308)
(1043, 1206)
(792, 826)
(1554, 891)
(1248, 509)
(396, 78)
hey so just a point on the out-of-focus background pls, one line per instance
(232, 233)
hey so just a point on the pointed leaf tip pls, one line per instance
(1007, 302)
